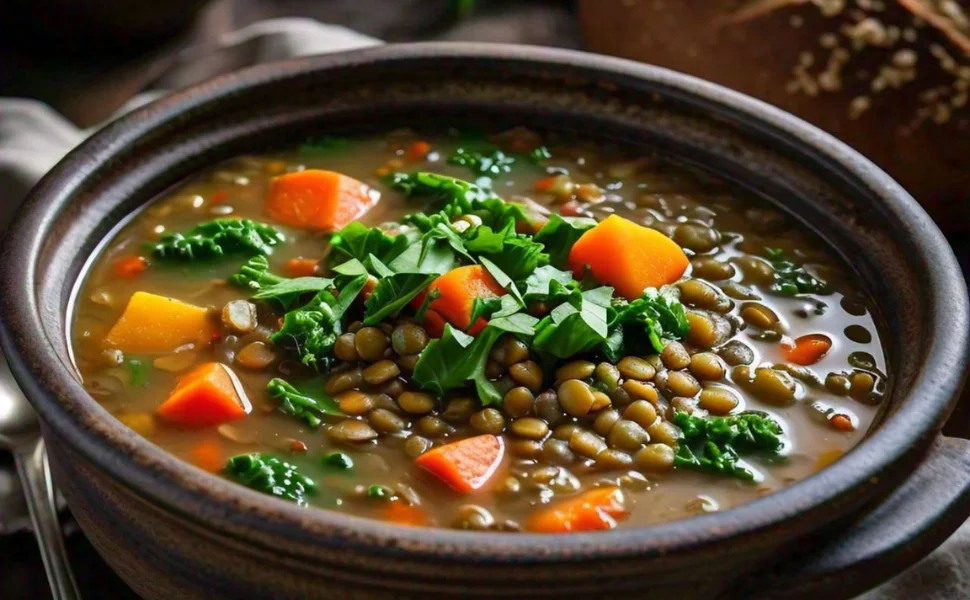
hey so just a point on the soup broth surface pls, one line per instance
(810, 361)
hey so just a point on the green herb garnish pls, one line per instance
(360, 241)
(559, 235)
(393, 294)
(792, 279)
(578, 325)
(302, 404)
(379, 492)
(715, 444)
(255, 275)
(338, 460)
(219, 238)
(270, 475)
(137, 372)
(483, 162)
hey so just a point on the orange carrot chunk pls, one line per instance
(418, 151)
(465, 465)
(842, 423)
(627, 256)
(318, 200)
(402, 513)
(459, 288)
(597, 509)
(208, 395)
(129, 267)
(808, 349)
(208, 456)
(300, 267)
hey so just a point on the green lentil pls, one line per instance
(370, 343)
(408, 339)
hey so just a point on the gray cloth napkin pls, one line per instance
(33, 137)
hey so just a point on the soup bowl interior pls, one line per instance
(897, 253)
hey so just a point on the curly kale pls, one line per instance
(792, 279)
(715, 444)
(309, 407)
(218, 238)
(658, 314)
(459, 197)
(272, 476)
(311, 331)
(255, 275)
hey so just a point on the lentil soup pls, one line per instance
(507, 332)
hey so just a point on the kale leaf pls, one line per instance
(307, 405)
(312, 330)
(550, 286)
(288, 291)
(393, 293)
(270, 475)
(359, 241)
(578, 325)
(715, 444)
(792, 279)
(658, 314)
(559, 234)
(218, 238)
(518, 255)
(255, 275)
(459, 197)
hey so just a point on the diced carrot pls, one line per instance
(465, 465)
(418, 151)
(628, 256)
(158, 325)
(402, 513)
(218, 197)
(300, 267)
(318, 200)
(129, 267)
(459, 288)
(208, 395)
(546, 183)
(208, 456)
(597, 509)
(808, 349)
(842, 423)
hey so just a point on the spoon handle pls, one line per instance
(39, 488)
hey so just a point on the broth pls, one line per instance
(551, 451)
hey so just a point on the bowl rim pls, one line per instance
(223, 506)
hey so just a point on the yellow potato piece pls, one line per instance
(156, 325)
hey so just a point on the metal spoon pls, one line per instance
(20, 434)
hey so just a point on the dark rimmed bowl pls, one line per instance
(173, 531)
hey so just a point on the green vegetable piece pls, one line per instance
(457, 358)
(559, 234)
(137, 372)
(516, 254)
(312, 329)
(576, 326)
(218, 238)
(393, 294)
(792, 279)
(338, 460)
(658, 314)
(270, 475)
(288, 291)
(309, 407)
(549, 286)
(715, 444)
(255, 275)
(459, 197)
(436, 258)
(379, 492)
(360, 241)
(485, 162)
